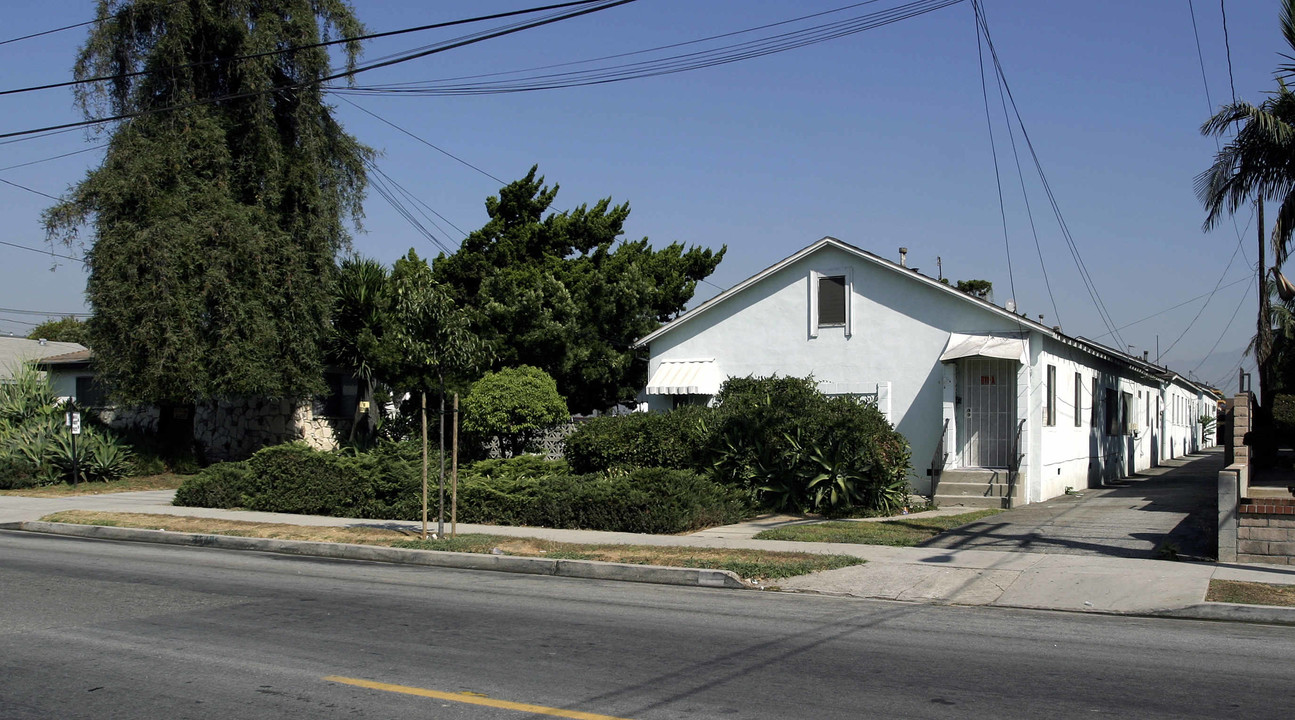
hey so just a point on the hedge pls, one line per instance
(527, 490)
(676, 439)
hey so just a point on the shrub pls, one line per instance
(98, 456)
(515, 405)
(802, 451)
(222, 485)
(677, 439)
(644, 500)
(295, 478)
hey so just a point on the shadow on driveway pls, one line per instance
(1169, 511)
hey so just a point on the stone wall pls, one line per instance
(235, 428)
(1266, 531)
(140, 418)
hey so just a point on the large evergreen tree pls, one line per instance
(556, 290)
(223, 199)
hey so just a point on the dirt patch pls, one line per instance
(748, 564)
(1251, 593)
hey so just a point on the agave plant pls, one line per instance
(106, 459)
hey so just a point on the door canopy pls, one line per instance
(1005, 346)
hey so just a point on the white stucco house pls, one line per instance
(998, 409)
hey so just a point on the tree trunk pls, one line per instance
(175, 429)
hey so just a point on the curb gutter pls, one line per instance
(587, 569)
(1231, 612)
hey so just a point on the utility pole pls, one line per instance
(1263, 341)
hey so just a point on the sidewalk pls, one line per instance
(964, 576)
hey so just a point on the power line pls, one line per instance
(1175, 307)
(1002, 211)
(54, 157)
(43, 313)
(42, 252)
(1086, 277)
(24, 187)
(423, 141)
(1226, 326)
(1228, 45)
(1029, 214)
(668, 65)
(66, 27)
(19, 322)
(479, 37)
(294, 49)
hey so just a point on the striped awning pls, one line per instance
(686, 377)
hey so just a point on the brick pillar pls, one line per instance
(1242, 411)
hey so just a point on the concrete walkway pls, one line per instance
(1038, 578)
(1166, 511)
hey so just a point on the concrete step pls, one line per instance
(969, 501)
(973, 475)
(972, 489)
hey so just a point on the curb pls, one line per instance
(585, 569)
(1231, 612)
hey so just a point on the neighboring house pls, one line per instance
(988, 399)
(16, 351)
(228, 429)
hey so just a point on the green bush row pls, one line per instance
(527, 490)
(787, 444)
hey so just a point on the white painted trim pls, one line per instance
(814, 277)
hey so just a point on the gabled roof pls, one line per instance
(15, 351)
(1092, 348)
(831, 242)
(79, 357)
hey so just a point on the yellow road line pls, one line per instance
(470, 699)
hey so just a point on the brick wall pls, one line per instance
(1266, 531)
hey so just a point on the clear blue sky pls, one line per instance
(877, 138)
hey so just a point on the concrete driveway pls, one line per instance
(1166, 511)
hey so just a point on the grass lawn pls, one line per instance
(165, 481)
(899, 533)
(1251, 593)
(748, 564)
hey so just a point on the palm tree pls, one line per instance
(360, 319)
(1258, 163)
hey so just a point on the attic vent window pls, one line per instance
(831, 301)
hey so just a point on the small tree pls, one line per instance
(434, 341)
(67, 329)
(514, 405)
(983, 289)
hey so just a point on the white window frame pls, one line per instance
(814, 277)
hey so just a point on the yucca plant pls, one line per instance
(105, 458)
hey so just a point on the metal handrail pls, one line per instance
(937, 465)
(1014, 469)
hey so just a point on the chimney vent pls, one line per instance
(903, 257)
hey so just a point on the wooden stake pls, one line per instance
(424, 416)
(454, 472)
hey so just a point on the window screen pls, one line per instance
(831, 300)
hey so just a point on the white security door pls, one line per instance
(988, 418)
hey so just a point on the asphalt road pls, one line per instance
(94, 629)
